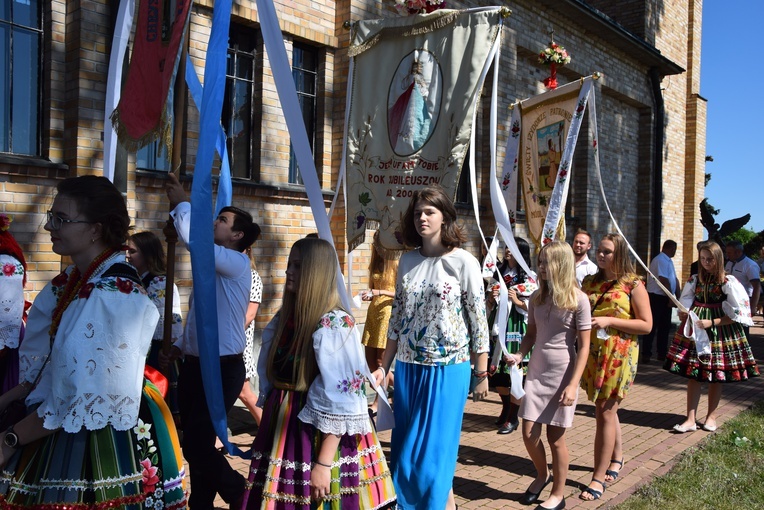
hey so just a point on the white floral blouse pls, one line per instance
(11, 301)
(157, 290)
(95, 374)
(336, 401)
(438, 314)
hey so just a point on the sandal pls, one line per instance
(595, 494)
(614, 474)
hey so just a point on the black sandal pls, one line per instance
(594, 492)
(614, 474)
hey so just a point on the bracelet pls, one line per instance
(322, 464)
(383, 372)
(480, 375)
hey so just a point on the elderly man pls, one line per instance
(663, 270)
(746, 271)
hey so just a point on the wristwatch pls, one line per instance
(11, 440)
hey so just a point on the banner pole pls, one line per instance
(170, 234)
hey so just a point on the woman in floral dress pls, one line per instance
(438, 325)
(519, 288)
(315, 447)
(620, 313)
(723, 307)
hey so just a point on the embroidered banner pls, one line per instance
(145, 110)
(541, 152)
(415, 83)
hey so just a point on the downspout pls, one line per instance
(657, 194)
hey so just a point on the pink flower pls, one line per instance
(325, 322)
(9, 269)
(149, 475)
(5, 222)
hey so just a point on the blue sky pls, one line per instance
(732, 79)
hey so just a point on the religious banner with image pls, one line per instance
(542, 145)
(414, 85)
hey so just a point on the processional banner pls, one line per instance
(415, 84)
(543, 135)
(145, 110)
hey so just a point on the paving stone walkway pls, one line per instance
(494, 470)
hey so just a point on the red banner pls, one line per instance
(144, 112)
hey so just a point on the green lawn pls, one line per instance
(726, 471)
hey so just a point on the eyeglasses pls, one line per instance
(57, 221)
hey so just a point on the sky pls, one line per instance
(732, 80)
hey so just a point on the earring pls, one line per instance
(92, 240)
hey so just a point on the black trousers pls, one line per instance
(659, 306)
(210, 471)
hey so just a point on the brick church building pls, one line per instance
(651, 119)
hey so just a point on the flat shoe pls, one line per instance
(593, 492)
(508, 427)
(681, 429)
(531, 497)
(559, 506)
(709, 428)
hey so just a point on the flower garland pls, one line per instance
(407, 7)
(553, 56)
(73, 284)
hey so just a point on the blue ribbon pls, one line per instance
(201, 239)
(225, 190)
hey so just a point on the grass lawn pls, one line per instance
(726, 471)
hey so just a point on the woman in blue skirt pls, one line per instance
(438, 326)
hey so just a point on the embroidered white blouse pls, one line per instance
(438, 313)
(11, 301)
(95, 374)
(336, 401)
(157, 290)
(736, 306)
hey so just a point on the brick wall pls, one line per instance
(75, 75)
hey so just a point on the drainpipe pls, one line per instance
(657, 195)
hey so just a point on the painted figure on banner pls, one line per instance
(413, 102)
(549, 148)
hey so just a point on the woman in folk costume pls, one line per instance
(315, 447)
(12, 305)
(146, 254)
(438, 326)
(520, 286)
(723, 307)
(97, 435)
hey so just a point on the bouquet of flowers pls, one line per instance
(554, 55)
(418, 6)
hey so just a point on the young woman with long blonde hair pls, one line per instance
(315, 445)
(559, 320)
(620, 313)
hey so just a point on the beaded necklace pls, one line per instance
(73, 285)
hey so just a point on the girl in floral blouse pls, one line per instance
(620, 312)
(315, 446)
(438, 326)
(12, 305)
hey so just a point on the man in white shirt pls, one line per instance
(233, 232)
(582, 243)
(663, 270)
(746, 271)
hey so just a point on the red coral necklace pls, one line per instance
(73, 285)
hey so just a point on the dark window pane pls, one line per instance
(5, 91)
(25, 85)
(5, 10)
(150, 157)
(304, 73)
(244, 67)
(230, 63)
(25, 12)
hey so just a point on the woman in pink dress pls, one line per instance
(559, 320)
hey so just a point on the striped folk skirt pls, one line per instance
(284, 450)
(138, 468)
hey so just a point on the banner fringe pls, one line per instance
(163, 132)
